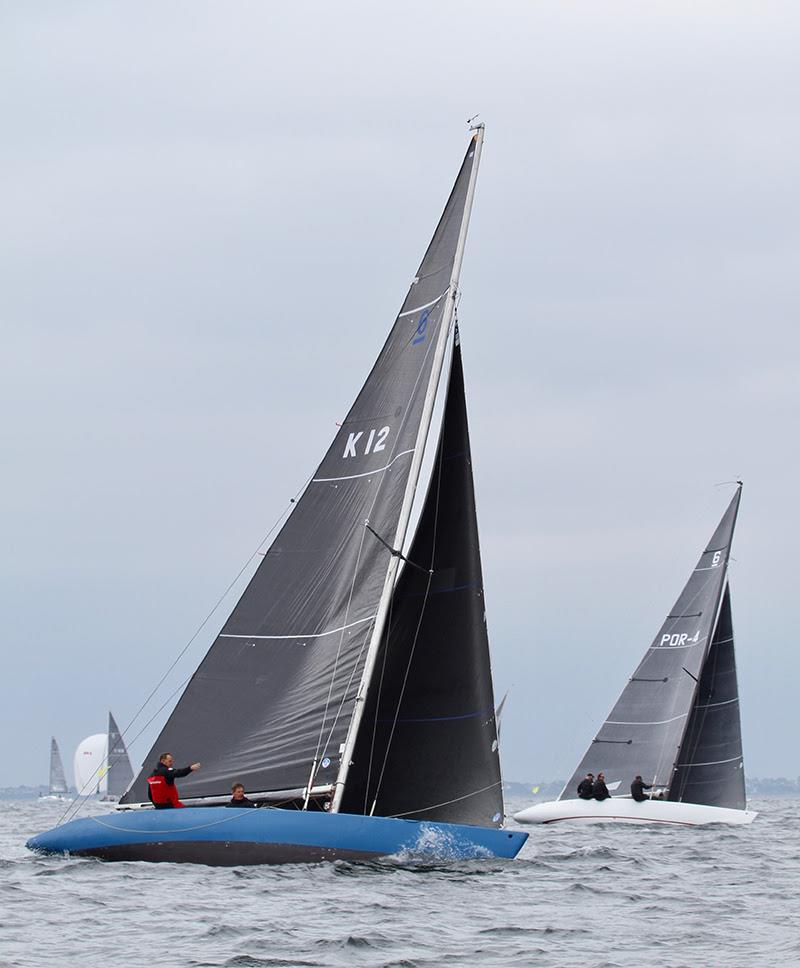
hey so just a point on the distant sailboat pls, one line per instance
(58, 783)
(354, 692)
(119, 774)
(102, 766)
(677, 721)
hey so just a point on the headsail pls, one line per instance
(120, 773)
(58, 782)
(710, 767)
(275, 693)
(428, 747)
(645, 731)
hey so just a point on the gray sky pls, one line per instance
(211, 213)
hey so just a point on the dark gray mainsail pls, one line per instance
(710, 767)
(58, 782)
(428, 745)
(119, 774)
(272, 702)
(644, 733)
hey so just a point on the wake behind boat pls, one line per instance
(677, 721)
(362, 690)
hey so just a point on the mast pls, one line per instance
(411, 485)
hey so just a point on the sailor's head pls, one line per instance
(638, 776)
(590, 776)
(166, 759)
(238, 791)
(601, 776)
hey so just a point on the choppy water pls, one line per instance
(580, 896)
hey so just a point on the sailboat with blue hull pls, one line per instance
(357, 662)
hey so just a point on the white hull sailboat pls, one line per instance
(676, 723)
(627, 810)
(57, 788)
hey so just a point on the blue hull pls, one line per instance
(226, 837)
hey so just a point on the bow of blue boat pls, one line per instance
(220, 836)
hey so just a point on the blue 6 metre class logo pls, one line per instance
(422, 328)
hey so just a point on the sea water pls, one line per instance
(588, 896)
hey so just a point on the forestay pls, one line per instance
(645, 731)
(275, 693)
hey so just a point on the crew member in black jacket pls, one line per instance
(239, 799)
(586, 786)
(600, 790)
(638, 787)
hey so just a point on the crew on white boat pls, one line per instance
(600, 790)
(586, 787)
(161, 783)
(638, 787)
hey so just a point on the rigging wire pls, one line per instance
(440, 462)
(321, 753)
(183, 651)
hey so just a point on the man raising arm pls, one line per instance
(161, 783)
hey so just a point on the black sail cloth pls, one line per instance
(427, 748)
(120, 773)
(276, 689)
(645, 731)
(710, 769)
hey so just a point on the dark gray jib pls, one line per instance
(275, 692)
(710, 767)
(657, 727)
(427, 748)
(120, 773)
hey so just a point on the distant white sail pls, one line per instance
(91, 765)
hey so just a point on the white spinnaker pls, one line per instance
(91, 765)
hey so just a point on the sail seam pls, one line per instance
(711, 705)
(352, 477)
(655, 722)
(731, 759)
(301, 635)
(410, 312)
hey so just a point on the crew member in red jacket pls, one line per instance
(161, 783)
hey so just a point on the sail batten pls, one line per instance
(267, 706)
